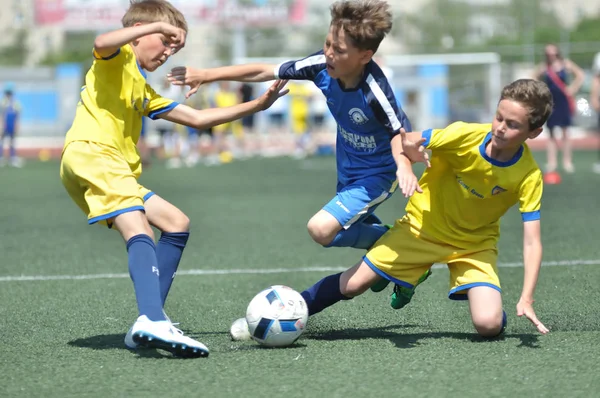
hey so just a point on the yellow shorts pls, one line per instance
(402, 255)
(100, 181)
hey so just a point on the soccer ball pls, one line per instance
(277, 316)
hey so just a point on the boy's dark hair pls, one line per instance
(366, 22)
(149, 11)
(535, 96)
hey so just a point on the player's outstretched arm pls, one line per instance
(194, 78)
(206, 118)
(532, 260)
(108, 43)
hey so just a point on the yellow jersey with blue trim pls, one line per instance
(465, 192)
(113, 102)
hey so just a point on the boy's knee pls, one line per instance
(489, 324)
(320, 232)
(183, 223)
(179, 223)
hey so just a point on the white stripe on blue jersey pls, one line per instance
(384, 102)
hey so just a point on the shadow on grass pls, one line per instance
(411, 340)
(115, 342)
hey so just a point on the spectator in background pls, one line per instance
(555, 73)
(10, 110)
(299, 97)
(246, 93)
(595, 101)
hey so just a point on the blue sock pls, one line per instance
(504, 322)
(323, 294)
(372, 219)
(12, 151)
(143, 270)
(168, 253)
(359, 236)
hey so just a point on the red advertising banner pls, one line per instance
(107, 14)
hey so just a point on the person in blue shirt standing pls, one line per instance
(10, 110)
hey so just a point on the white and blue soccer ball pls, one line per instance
(277, 316)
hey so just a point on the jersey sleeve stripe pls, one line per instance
(427, 135)
(310, 61)
(97, 56)
(530, 216)
(383, 101)
(154, 114)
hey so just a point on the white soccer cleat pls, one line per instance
(239, 330)
(132, 345)
(165, 336)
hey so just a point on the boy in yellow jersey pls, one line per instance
(100, 162)
(478, 172)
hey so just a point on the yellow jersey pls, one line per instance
(465, 192)
(113, 102)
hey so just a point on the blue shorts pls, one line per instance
(8, 133)
(358, 200)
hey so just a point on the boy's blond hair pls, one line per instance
(366, 22)
(533, 95)
(148, 11)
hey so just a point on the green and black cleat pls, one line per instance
(402, 295)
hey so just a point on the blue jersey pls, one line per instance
(9, 109)
(367, 116)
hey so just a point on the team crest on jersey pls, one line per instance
(497, 189)
(358, 116)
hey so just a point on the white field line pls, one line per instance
(257, 271)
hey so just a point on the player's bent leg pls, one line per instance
(175, 226)
(356, 280)
(323, 227)
(485, 304)
(165, 216)
(326, 230)
(352, 207)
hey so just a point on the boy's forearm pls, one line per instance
(532, 261)
(109, 42)
(207, 118)
(398, 151)
(251, 73)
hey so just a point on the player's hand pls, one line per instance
(174, 36)
(525, 307)
(407, 180)
(415, 151)
(274, 92)
(186, 76)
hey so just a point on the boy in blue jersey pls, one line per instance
(101, 164)
(370, 158)
(10, 110)
(478, 172)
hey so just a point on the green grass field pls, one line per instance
(67, 300)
